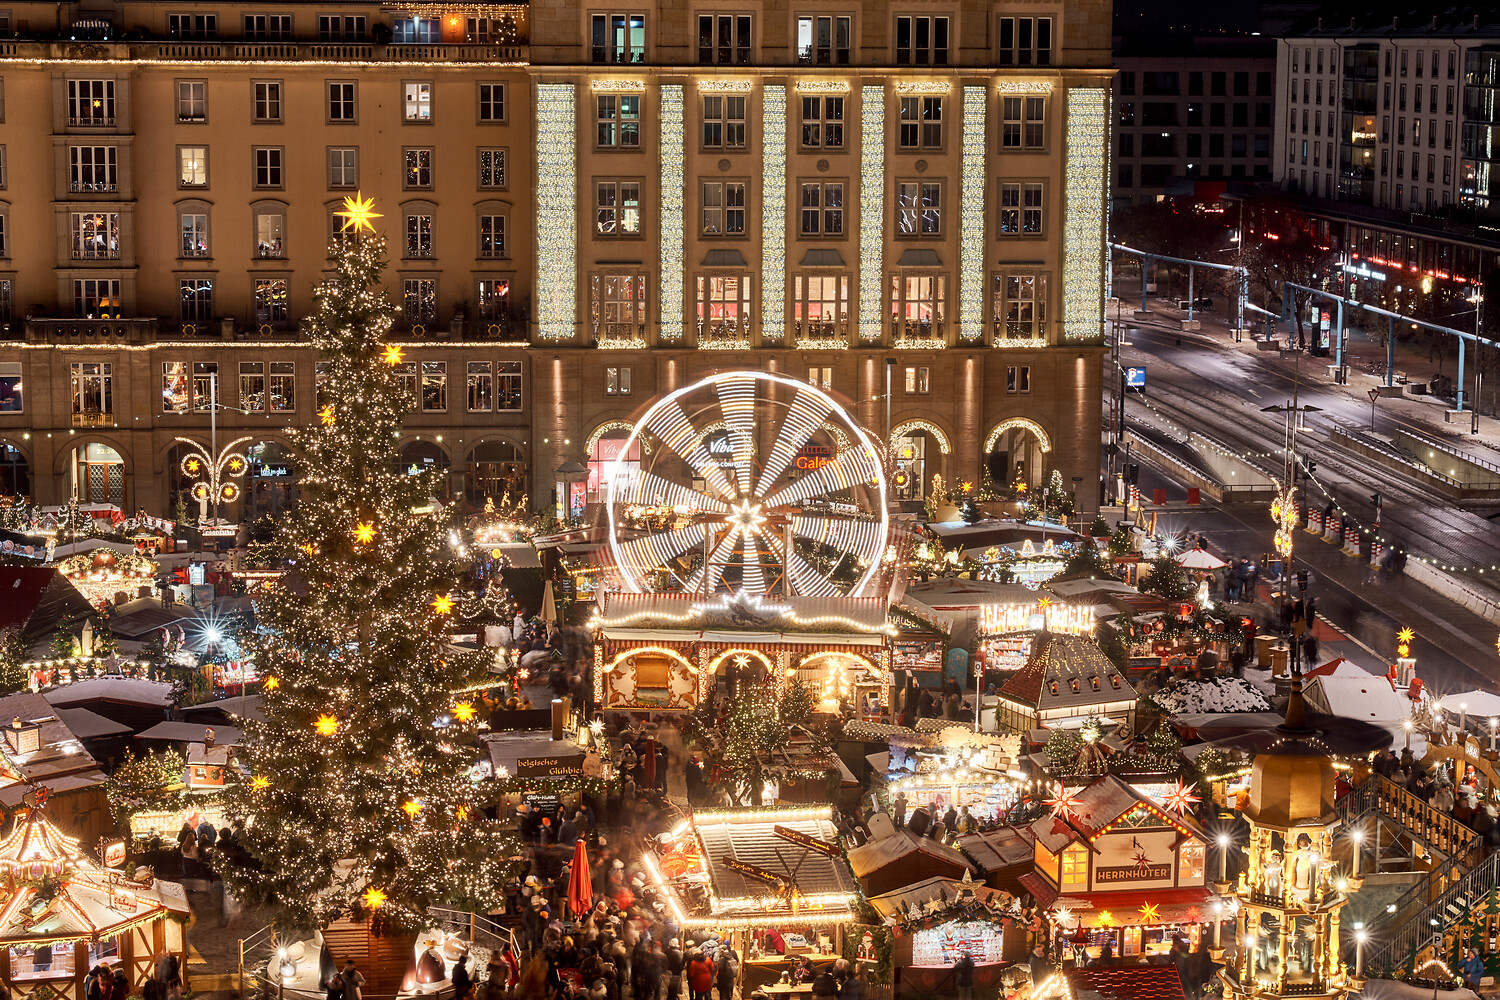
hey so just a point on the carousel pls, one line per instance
(751, 542)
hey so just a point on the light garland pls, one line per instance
(1083, 234)
(715, 85)
(923, 86)
(871, 210)
(821, 344)
(822, 86)
(973, 175)
(622, 344)
(1043, 442)
(1030, 343)
(918, 344)
(556, 210)
(672, 182)
(927, 426)
(618, 85)
(1024, 87)
(773, 213)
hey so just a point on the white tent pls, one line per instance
(1368, 698)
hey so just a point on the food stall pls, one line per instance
(939, 919)
(954, 765)
(772, 881)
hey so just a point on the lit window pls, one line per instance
(417, 104)
(617, 208)
(192, 166)
(418, 173)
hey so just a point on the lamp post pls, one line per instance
(1284, 506)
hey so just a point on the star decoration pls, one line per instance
(358, 213)
(463, 812)
(1150, 913)
(1106, 918)
(464, 711)
(1065, 805)
(235, 464)
(967, 487)
(326, 414)
(1142, 860)
(393, 355)
(374, 898)
(364, 533)
(1181, 799)
(1405, 636)
(193, 465)
(327, 725)
(442, 604)
(259, 784)
(270, 683)
(412, 808)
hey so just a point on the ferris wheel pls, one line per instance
(749, 482)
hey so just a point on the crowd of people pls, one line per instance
(1459, 792)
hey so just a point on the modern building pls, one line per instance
(585, 207)
(1191, 110)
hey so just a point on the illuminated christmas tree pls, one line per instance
(359, 795)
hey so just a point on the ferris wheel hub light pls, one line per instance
(747, 516)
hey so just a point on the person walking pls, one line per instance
(353, 981)
(700, 976)
(963, 976)
(727, 971)
(462, 981)
(854, 986)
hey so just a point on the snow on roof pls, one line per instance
(188, 732)
(87, 725)
(61, 754)
(996, 849)
(749, 836)
(1072, 665)
(125, 690)
(1093, 808)
(1369, 698)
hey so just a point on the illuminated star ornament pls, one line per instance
(259, 784)
(1403, 641)
(327, 725)
(412, 808)
(393, 355)
(464, 711)
(364, 533)
(326, 414)
(1150, 913)
(374, 898)
(192, 465)
(442, 604)
(1181, 799)
(270, 683)
(358, 213)
(1065, 805)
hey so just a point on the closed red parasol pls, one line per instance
(580, 886)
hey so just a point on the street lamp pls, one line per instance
(1284, 506)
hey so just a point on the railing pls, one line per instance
(1449, 908)
(93, 187)
(93, 121)
(263, 938)
(482, 929)
(1434, 827)
(93, 419)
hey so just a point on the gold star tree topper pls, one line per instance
(358, 213)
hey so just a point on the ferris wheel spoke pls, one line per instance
(656, 491)
(737, 403)
(806, 580)
(713, 568)
(846, 534)
(851, 469)
(647, 552)
(806, 414)
(752, 574)
(676, 431)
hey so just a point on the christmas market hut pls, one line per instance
(62, 913)
(774, 881)
(888, 863)
(937, 919)
(1067, 680)
(945, 764)
(1116, 866)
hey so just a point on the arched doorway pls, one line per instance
(15, 472)
(96, 474)
(494, 469)
(607, 446)
(1016, 452)
(837, 679)
(920, 449)
(270, 485)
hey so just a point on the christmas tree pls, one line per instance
(359, 795)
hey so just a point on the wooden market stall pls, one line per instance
(940, 919)
(774, 881)
(62, 913)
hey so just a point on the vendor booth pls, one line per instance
(939, 919)
(955, 766)
(773, 881)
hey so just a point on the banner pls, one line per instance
(806, 840)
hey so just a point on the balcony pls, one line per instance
(96, 253)
(104, 332)
(918, 335)
(92, 121)
(814, 336)
(723, 335)
(337, 52)
(620, 336)
(93, 418)
(93, 187)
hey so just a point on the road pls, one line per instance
(1199, 382)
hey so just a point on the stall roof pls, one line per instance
(1097, 589)
(997, 849)
(889, 904)
(1126, 982)
(187, 732)
(906, 848)
(1072, 665)
(121, 690)
(141, 618)
(61, 761)
(749, 836)
(87, 725)
(837, 616)
(509, 747)
(1093, 808)
(37, 600)
(1369, 698)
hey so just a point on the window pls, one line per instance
(921, 41)
(91, 103)
(617, 208)
(921, 123)
(270, 233)
(491, 103)
(418, 235)
(487, 30)
(492, 168)
(96, 298)
(267, 100)
(174, 387)
(919, 208)
(186, 27)
(493, 299)
(1127, 145)
(723, 208)
(270, 301)
(823, 122)
(96, 235)
(723, 303)
(195, 298)
(1018, 380)
(192, 100)
(92, 168)
(919, 304)
(724, 122)
(917, 382)
(616, 381)
(617, 306)
(1027, 41)
(419, 299)
(1075, 867)
(192, 166)
(205, 384)
(1190, 862)
(268, 27)
(823, 40)
(12, 392)
(407, 374)
(93, 383)
(434, 386)
(823, 209)
(416, 30)
(1020, 307)
(492, 236)
(341, 103)
(417, 101)
(821, 377)
(194, 229)
(252, 386)
(481, 386)
(619, 121)
(268, 172)
(723, 39)
(618, 38)
(418, 172)
(341, 28)
(343, 166)
(1023, 122)
(820, 307)
(1020, 209)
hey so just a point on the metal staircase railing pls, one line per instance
(1418, 925)
(1450, 839)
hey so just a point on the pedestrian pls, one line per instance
(824, 986)
(1472, 969)
(1040, 968)
(898, 810)
(353, 981)
(700, 976)
(462, 983)
(854, 986)
(963, 976)
(727, 971)
(334, 987)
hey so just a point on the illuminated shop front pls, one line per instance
(956, 767)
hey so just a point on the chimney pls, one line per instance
(1434, 22)
(1394, 21)
(1476, 22)
(208, 738)
(1351, 24)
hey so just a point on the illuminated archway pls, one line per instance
(908, 427)
(835, 677)
(920, 450)
(1016, 451)
(648, 677)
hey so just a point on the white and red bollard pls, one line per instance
(1377, 552)
(1315, 521)
(1351, 541)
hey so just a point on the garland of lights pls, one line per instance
(556, 210)
(971, 241)
(672, 181)
(773, 214)
(1087, 152)
(871, 209)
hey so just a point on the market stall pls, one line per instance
(774, 881)
(939, 919)
(955, 766)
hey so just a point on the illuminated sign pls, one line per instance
(811, 457)
(806, 840)
(114, 853)
(1135, 378)
(754, 871)
(1362, 270)
(1068, 619)
(546, 767)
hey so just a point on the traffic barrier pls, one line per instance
(1333, 530)
(1377, 551)
(1315, 522)
(1351, 542)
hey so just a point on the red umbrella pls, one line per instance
(580, 886)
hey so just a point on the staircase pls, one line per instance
(1416, 925)
(1405, 815)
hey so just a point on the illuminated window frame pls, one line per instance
(773, 215)
(871, 210)
(556, 210)
(672, 168)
